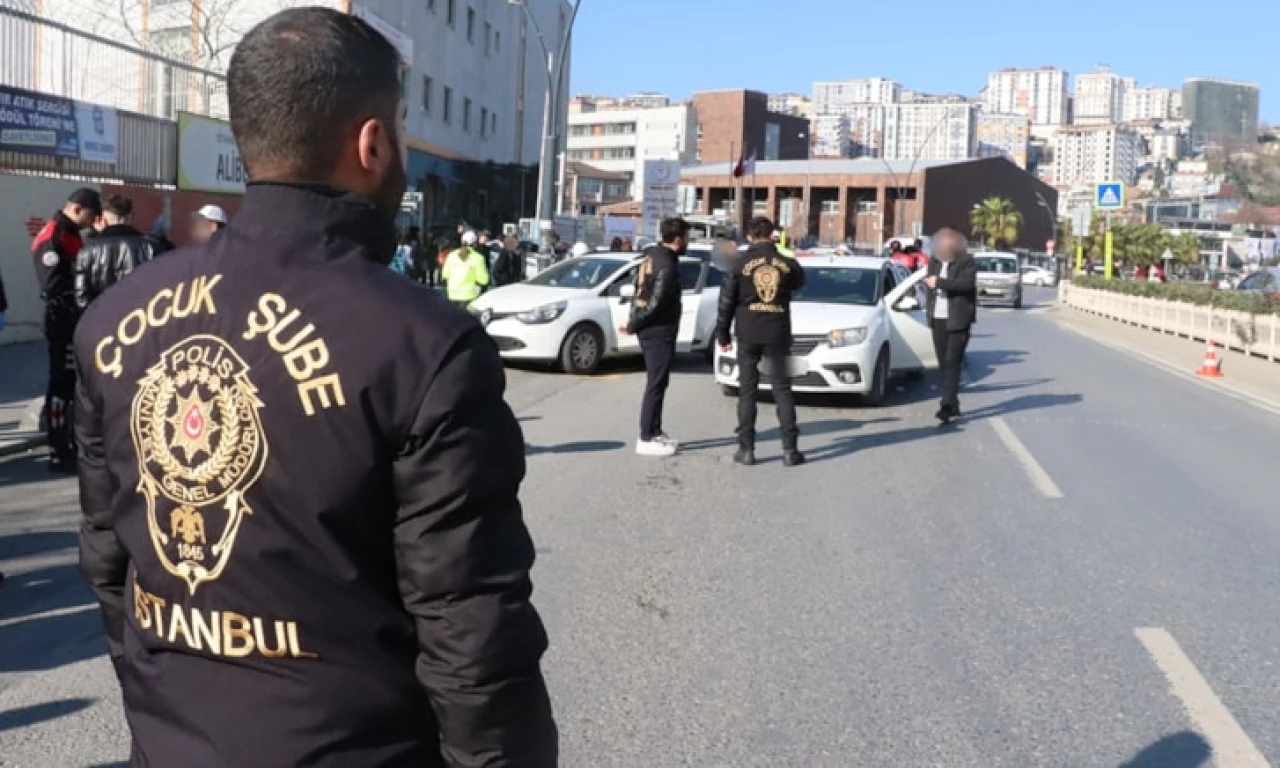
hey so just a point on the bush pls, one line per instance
(1190, 293)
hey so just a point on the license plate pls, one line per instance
(796, 367)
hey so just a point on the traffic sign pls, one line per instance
(1081, 215)
(1110, 196)
(1167, 255)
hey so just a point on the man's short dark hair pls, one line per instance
(760, 228)
(299, 81)
(119, 206)
(673, 229)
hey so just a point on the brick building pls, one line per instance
(870, 201)
(733, 124)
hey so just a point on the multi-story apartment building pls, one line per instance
(937, 131)
(1004, 136)
(1040, 94)
(831, 136)
(796, 104)
(620, 140)
(866, 129)
(1100, 97)
(1221, 111)
(1086, 154)
(837, 97)
(1151, 104)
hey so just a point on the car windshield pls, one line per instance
(1000, 265)
(588, 272)
(839, 285)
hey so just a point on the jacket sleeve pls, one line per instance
(963, 279)
(85, 290)
(796, 278)
(479, 268)
(666, 282)
(464, 556)
(726, 307)
(103, 559)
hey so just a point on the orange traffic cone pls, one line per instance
(1212, 367)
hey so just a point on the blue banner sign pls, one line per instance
(37, 123)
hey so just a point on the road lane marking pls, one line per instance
(47, 615)
(1232, 747)
(1039, 477)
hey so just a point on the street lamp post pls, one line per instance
(550, 117)
(1053, 226)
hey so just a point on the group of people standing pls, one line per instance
(466, 264)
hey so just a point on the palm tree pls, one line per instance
(996, 221)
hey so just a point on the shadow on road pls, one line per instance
(1181, 750)
(1024, 403)
(27, 469)
(845, 446)
(984, 362)
(911, 393)
(807, 429)
(591, 446)
(39, 713)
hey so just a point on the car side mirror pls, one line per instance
(907, 304)
(627, 293)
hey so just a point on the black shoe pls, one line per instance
(792, 458)
(746, 457)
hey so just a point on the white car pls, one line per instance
(570, 313)
(1039, 277)
(858, 321)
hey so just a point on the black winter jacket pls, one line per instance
(53, 252)
(106, 259)
(961, 285)
(656, 308)
(756, 297)
(300, 489)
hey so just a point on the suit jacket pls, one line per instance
(961, 285)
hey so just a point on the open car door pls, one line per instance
(620, 312)
(691, 281)
(911, 338)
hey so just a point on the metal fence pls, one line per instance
(43, 55)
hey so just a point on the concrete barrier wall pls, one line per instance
(1190, 321)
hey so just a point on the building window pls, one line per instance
(174, 43)
(466, 115)
(448, 105)
(471, 25)
(484, 123)
(431, 5)
(616, 190)
(493, 124)
(452, 15)
(488, 38)
(427, 86)
(497, 42)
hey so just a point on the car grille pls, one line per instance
(810, 379)
(801, 346)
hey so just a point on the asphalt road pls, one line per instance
(1082, 573)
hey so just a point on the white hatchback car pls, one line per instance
(569, 313)
(858, 321)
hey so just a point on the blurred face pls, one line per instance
(83, 217)
(948, 244)
(202, 229)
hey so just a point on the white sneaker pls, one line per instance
(667, 439)
(654, 448)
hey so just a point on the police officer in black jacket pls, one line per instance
(298, 472)
(116, 251)
(756, 300)
(655, 318)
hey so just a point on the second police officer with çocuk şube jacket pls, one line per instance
(298, 473)
(756, 301)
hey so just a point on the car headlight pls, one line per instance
(847, 337)
(548, 314)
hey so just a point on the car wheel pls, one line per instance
(879, 382)
(728, 390)
(582, 350)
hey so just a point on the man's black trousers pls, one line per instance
(749, 357)
(659, 352)
(59, 400)
(950, 346)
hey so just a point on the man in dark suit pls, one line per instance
(953, 308)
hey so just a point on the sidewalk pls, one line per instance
(1250, 378)
(23, 370)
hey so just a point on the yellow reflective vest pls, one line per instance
(465, 273)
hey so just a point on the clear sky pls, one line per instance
(935, 46)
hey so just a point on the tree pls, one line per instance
(1186, 248)
(996, 221)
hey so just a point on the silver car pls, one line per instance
(999, 279)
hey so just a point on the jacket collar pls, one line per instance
(119, 230)
(760, 249)
(279, 207)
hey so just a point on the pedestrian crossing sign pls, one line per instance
(1110, 196)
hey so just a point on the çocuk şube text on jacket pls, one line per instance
(756, 297)
(299, 480)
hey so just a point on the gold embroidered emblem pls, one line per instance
(200, 445)
(766, 278)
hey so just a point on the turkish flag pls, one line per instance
(740, 168)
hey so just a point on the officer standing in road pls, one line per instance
(953, 308)
(54, 252)
(299, 474)
(756, 301)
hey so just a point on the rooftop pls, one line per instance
(863, 166)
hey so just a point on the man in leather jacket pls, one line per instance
(115, 252)
(655, 318)
(756, 300)
(298, 472)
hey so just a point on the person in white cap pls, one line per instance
(580, 249)
(207, 222)
(465, 272)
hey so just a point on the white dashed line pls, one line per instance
(1232, 747)
(1039, 477)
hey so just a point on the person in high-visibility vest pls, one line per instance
(466, 272)
(780, 243)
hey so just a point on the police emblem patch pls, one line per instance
(766, 278)
(200, 446)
